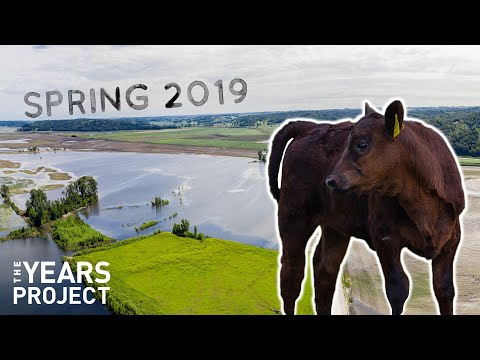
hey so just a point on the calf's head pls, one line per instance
(372, 152)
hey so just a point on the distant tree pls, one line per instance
(158, 201)
(185, 224)
(182, 230)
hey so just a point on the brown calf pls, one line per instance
(392, 183)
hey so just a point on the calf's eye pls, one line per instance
(363, 145)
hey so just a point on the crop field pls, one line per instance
(241, 138)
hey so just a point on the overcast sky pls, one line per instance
(278, 77)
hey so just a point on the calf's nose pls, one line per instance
(331, 183)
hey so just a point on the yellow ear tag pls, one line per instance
(396, 128)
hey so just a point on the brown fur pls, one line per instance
(399, 192)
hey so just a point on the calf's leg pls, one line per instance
(442, 269)
(396, 281)
(294, 232)
(326, 264)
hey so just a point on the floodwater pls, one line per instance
(225, 197)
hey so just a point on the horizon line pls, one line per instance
(229, 113)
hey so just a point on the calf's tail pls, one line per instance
(293, 129)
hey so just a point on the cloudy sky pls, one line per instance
(278, 77)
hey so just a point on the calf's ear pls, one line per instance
(368, 109)
(394, 118)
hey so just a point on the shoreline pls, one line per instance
(52, 140)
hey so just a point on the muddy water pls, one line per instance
(367, 282)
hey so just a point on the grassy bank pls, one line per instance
(166, 274)
(240, 138)
(71, 233)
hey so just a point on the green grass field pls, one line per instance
(221, 137)
(468, 161)
(166, 274)
(241, 138)
(72, 233)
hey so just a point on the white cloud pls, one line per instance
(278, 77)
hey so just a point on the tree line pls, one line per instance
(461, 126)
(83, 125)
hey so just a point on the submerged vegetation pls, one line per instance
(158, 201)
(146, 225)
